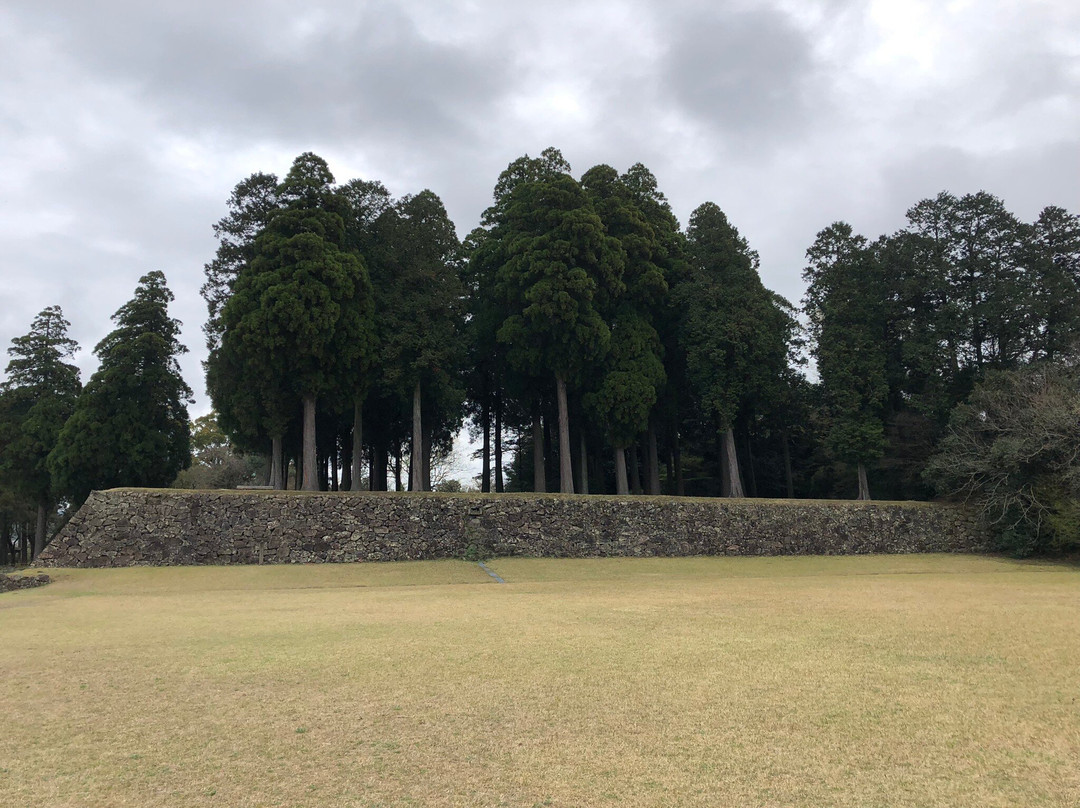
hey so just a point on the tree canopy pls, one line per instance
(129, 426)
(38, 396)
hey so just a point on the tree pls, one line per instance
(215, 461)
(667, 251)
(421, 320)
(496, 387)
(557, 261)
(1013, 449)
(253, 201)
(301, 309)
(1054, 260)
(732, 329)
(129, 426)
(843, 303)
(40, 394)
(632, 372)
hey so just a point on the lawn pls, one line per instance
(868, 681)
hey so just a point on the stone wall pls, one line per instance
(126, 527)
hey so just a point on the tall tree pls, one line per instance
(633, 373)
(732, 330)
(668, 252)
(308, 299)
(1053, 260)
(843, 303)
(421, 319)
(253, 201)
(558, 260)
(41, 390)
(129, 426)
(369, 210)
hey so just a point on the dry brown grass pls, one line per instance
(910, 680)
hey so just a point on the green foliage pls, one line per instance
(1054, 256)
(627, 391)
(733, 330)
(843, 302)
(298, 319)
(215, 462)
(129, 426)
(421, 296)
(1013, 449)
(557, 261)
(624, 394)
(253, 201)
(37, 398)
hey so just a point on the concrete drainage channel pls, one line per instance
(490, 572)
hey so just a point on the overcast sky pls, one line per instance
(125, 125)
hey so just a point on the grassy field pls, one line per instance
(871, 681)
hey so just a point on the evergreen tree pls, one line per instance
(130, 423)
(40, 394)
(633, 371)
(504, 392)
(301, 309)
(253, 201)
(1053, 258)
(732, 331)
(421, 321)
(558, 262)
(844, 305)
(668, 253)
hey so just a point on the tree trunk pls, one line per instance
(425, 463)
(416, 462)
(324, 472)
(635, 476)
(383, 480)
(5, 546)
(750, 465)
(864, 486)
(654, 462)
(346, 466)
(566, 463)
(498, 445)
(334, 484)
(725, 467)
(39, 528)
(311, 463)
(787, 465)
(485, 466)
(539, 483)
(583, 459)
(357, 443)
(731, 461)
(680, 481)
(277, 473)
(620, 472)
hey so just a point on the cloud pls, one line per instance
(281, 72)
(125, 125)
(748, 75)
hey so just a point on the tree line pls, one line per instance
(589, 341)
(350, 333)
(60, 439)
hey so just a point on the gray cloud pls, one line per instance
(124, 125)
(749, 75)
(245, 72)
